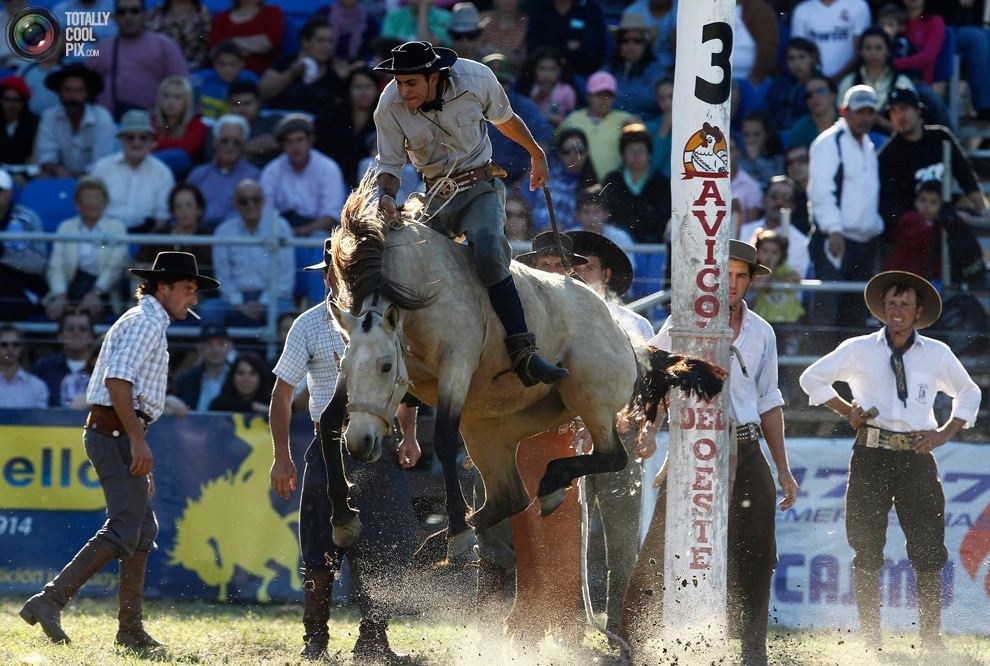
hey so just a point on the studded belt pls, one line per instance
(105, 421)
(452, 184)
(747, 433)
(878, 438)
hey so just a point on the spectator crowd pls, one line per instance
(253, 122)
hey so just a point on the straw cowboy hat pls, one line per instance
(611, 256)
(176, 266)
(928, 298)
(544, 245)
(746, 253)
(417, 58)
(631, 23)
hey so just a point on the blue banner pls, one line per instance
(224, 534)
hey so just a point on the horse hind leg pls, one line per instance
(608, 455)
(494, 457)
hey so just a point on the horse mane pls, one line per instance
(359, 250)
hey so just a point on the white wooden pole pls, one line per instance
(698, 456)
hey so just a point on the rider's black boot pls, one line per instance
(526, 360)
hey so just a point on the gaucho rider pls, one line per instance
(435, 112)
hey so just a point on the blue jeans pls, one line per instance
(973, 45)
(388, 536)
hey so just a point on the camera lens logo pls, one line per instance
(33, 34)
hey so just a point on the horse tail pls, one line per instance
(667, 371)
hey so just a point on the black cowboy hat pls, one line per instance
(94, 82)
(327, 257)
(176, 265)
(417, 58)
(928, 298)
(746, 253)
(609, 254)
(544, 245)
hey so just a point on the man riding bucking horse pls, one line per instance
(435, 112)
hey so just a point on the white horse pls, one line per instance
(418, 319)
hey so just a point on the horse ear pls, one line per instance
(390, 322)
(344, 319)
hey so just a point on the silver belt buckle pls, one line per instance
(872, 439)
(900, 441)
(446, 188)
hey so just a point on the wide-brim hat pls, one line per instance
(746, 253)
(327, 257)
(611, 256)
(176, 265)
(634, 22)
(135, 120)
(417, 58)
(928, 298)
(93, 80)
(545, 244)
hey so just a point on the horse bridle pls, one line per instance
(387, 412)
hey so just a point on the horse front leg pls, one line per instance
(608, 455)
(344, 519)
(460, 537)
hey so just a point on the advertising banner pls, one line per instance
(224, 535)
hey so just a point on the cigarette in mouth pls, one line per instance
(193, 313)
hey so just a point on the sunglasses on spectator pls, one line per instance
(816, 91)
(15, 99)
(124, 11)
(474, 34)
(10, 345)
(521, 214)
(632, 40)
(137, 138)
(229, 141)
(245, 201)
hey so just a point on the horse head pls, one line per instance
(374, 374)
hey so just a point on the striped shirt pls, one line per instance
(312, 349)
(136, 350)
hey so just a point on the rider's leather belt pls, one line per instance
(748, 433)
(878, 438)
(105, 421)
(452, 184)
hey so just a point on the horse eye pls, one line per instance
(386, 367)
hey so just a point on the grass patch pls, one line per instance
(206, 633)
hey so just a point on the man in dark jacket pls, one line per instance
(200, 384)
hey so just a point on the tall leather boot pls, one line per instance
(928, 585)
(866, 585)
(531, 368)
(317, 588)
(130, 594)
(46, 606)
(372, 645)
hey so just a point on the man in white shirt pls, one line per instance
(894, 375)
(755, 410)
(844, 199)
(138, 182)
(780, 195)
(834, 26)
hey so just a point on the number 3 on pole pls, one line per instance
(706, 91)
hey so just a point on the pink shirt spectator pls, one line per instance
(143, 62)
(562, 99)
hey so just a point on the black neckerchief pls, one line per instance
(897, 363)
(435, 104)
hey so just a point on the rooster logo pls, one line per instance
(706, 154)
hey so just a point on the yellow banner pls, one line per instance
(46, 468)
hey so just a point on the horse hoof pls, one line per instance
(461, 543)
(549, 503)
(346, 534)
